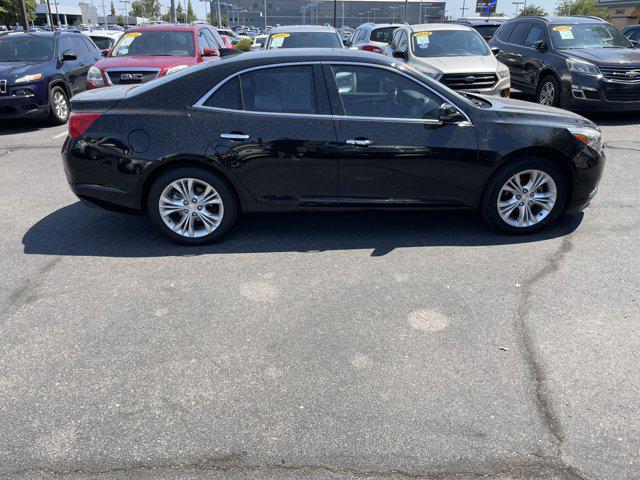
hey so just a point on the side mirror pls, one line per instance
(209, 52)
(346, 43)
(68, 55)
(225, 52)
(495, 50)
(634, 43)
(400, 54)
(105, 52)
(449, 114)
(539, 45)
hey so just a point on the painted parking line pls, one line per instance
(60, 135)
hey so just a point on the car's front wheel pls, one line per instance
(524, 196)
(58, 106)
(192, 205)
(549, 91)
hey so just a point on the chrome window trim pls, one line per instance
(107, 70)
(201, 106)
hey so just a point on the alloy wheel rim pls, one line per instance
(527, 198)
(191, 207)
(547, 93)
(60, 105)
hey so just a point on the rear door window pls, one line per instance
(519, 33)
(280, 90)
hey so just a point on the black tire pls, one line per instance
(229, 204)
(54, 117)
(489, 203)
(549, 81)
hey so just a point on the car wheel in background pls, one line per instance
(549, 91)
(192, 205)
(524, 196)
(59, 106)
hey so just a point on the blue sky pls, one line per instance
(453, 6)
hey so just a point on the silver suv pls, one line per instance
(372, 37)
(454, 54)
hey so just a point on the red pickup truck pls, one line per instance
(145, 53)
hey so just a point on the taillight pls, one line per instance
(79, 122)
(372, 48)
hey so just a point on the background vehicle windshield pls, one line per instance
(587, 35)
(486, 31)
(25, 49)
(448, 43)
(382, 34)
(304, 40)
(160, 43)
(103, 43)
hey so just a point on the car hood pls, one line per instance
(467, 64)
(16, 69)
(161, 62)
(604, 56)
(509, 110)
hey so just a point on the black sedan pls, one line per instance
(323, 129)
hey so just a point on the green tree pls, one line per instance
(215, 19)
(146, 9)
(113, 9)
(180, 13)
(581, 7)
(10, 11)
(120, 20)
(244, 45)
(533, 11)
(191, 16)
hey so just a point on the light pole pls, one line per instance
(374, 10)
(343, 14)
(406, 4)
(464, 7)
(517, 4)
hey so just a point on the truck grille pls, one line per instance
(462, 81)
(131, 77)
(623, 73)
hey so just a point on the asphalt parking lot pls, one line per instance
(334, 345)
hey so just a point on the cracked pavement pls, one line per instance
(308, 346)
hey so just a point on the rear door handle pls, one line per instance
(360, 142)
(234, 136)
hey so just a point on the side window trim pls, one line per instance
(200, 104)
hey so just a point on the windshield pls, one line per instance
(449, 43)
(382, 35)
(487, 31)
(103, 43)
(25, 49)
(587, 35)
(172, 43)
(304, 40)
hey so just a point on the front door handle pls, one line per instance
(234, 136)
(81, 64)
(362, 142)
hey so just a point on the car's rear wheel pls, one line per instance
(549, 91)
(58, 106)
(192, 205)
(524, 196)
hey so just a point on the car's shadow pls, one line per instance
(77, 230)
(11, 127)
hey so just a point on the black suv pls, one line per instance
(580, 63)
(40, 71)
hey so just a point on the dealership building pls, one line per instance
(622, 12)
(349, 12)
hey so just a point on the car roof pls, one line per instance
(45, 34)
(439, 26)
(167, 26)
(574, 19)
(302, 28)
(311, 54)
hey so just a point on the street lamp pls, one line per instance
(374, 10)
(517, 4)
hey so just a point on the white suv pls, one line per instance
(454, 54)
(372, 37)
